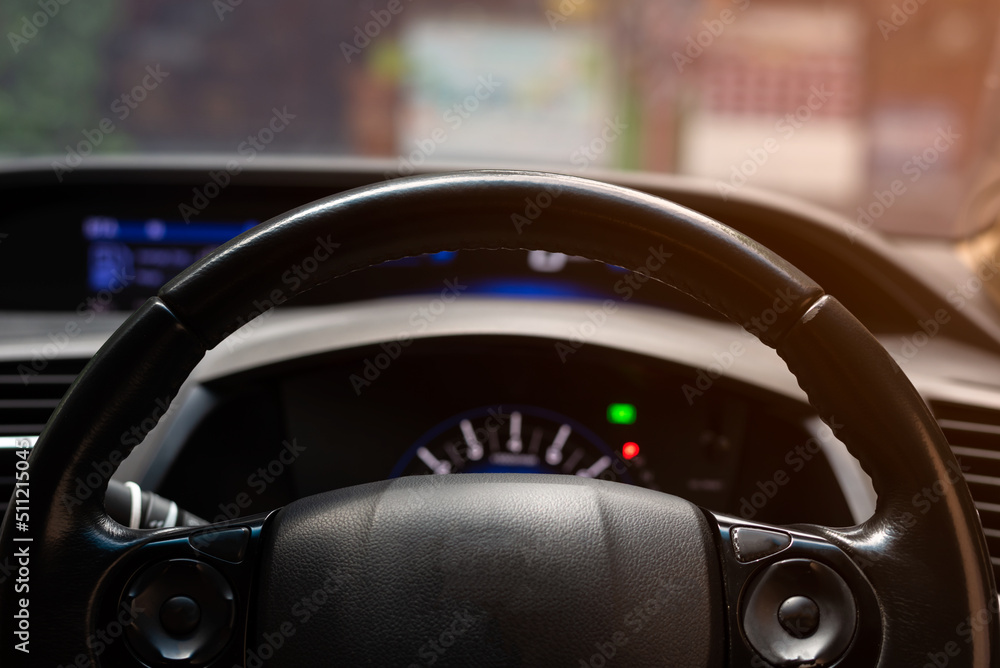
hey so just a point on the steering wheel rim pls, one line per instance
(846, 373)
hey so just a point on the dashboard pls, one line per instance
(492, 404)
(475, 361)
(64, 238)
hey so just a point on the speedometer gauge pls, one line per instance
(520, 439)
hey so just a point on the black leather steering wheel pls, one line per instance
(430, 570)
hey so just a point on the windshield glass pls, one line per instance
(874, 109)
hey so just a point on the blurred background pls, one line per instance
(883, 110)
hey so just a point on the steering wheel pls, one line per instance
(493, 569)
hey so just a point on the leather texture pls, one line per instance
(493, 570)
(470, 210)
(931, 574)
(127, 386)
(924, 550)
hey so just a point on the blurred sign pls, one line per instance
(779, 106)
(510, 91)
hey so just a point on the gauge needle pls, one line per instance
(536, 440)
(433, 463)
(596, 469)
(553, 453)
(514, 442)
(475, 447)
(572, 460)
(453, 454)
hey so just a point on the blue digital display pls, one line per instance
(534, 288)
(129, 260)
(162, 232)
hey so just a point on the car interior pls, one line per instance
(534, 333)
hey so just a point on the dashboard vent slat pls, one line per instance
(974, 436)
(28, 395)
(28, 403)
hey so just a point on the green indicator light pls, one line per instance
(621, 414)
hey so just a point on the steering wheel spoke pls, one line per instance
(184, 595)
(794, 598)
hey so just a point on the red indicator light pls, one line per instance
(630, 450)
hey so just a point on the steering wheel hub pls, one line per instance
(594, 564)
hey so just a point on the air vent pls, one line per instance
(28, 395)
(974, 436)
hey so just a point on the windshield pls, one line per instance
(874, 109)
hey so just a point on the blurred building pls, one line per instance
(832, 101)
